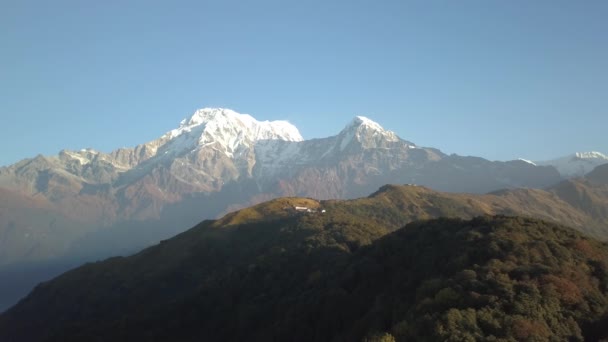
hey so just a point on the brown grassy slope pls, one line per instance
(393, 206)
(416, 203)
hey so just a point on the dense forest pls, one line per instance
(311, 277)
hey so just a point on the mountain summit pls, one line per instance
(366, 133)
(228, 130)
(217, 129)
(577, 164)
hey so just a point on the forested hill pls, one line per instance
(305, 278)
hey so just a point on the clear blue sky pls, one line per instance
(497, 79)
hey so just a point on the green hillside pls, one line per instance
(333, 278)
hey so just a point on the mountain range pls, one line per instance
(87, 204)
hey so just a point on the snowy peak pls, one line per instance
(225, 120)
(206, 115)
(368, 133)
(227, 131)
(527, 161)
(363, 122)
(577, 164)
(590, 155)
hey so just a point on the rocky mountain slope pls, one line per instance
(269, 273)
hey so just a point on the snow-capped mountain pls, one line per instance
(577, 164)
(217, 149)
(215, 161)
(282, 157)
(222, 130)
(366, 134)
(227, 131)
(91, 204)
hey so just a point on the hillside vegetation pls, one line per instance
(334, 277)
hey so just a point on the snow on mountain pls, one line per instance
(360, 134)
(225, 130)
(367, 132)
(213, 144)
(83, 157)
(216, 146)
(590, 155)
(577, 164)
(527, 161)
